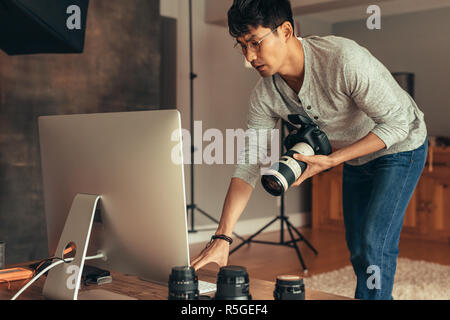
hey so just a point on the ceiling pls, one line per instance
(388, 8)
(333, 11)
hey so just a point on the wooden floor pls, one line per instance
(268, 261)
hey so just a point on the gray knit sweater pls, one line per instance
(348, 93)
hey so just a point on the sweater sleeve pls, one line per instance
(375, 91)
(254, 151)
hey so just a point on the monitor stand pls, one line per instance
(63, 281)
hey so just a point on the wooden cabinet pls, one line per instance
(428, 213)
(327, 211)
(433, 206)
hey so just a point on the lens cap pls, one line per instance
(233, 272)
(183, 272)
(289, 287)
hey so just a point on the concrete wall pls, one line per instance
(118, 71)
(310, 25)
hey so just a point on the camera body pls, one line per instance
(308, 140)
(311, 135)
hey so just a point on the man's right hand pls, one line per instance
(217, 252)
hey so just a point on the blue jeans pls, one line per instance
(375, 198)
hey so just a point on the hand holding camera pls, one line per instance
(314, 165)
(308, 150)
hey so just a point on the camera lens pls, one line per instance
(183, 284)
(281, 175)
(308, 140)
(272, 184)
(233, 284)
(289, 287)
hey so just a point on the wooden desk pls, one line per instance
(134, 287)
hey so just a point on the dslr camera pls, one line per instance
(308, 140)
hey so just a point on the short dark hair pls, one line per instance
(255, 13)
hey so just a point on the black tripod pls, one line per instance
(283, 220)
(192, 207)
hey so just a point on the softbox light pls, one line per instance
(42, 26)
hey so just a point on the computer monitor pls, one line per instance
(133, 162)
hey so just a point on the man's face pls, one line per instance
(267, 56)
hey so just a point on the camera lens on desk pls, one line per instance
(233, 284)
(289, 287)
(183, 284)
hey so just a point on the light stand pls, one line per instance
(192, 207)
(283, 220)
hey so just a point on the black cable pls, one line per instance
(40, 264)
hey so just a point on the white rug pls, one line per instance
(414, 280)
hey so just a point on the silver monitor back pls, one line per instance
(128, 159)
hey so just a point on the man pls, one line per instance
(375, 127)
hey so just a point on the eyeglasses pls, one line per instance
(252, 45)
